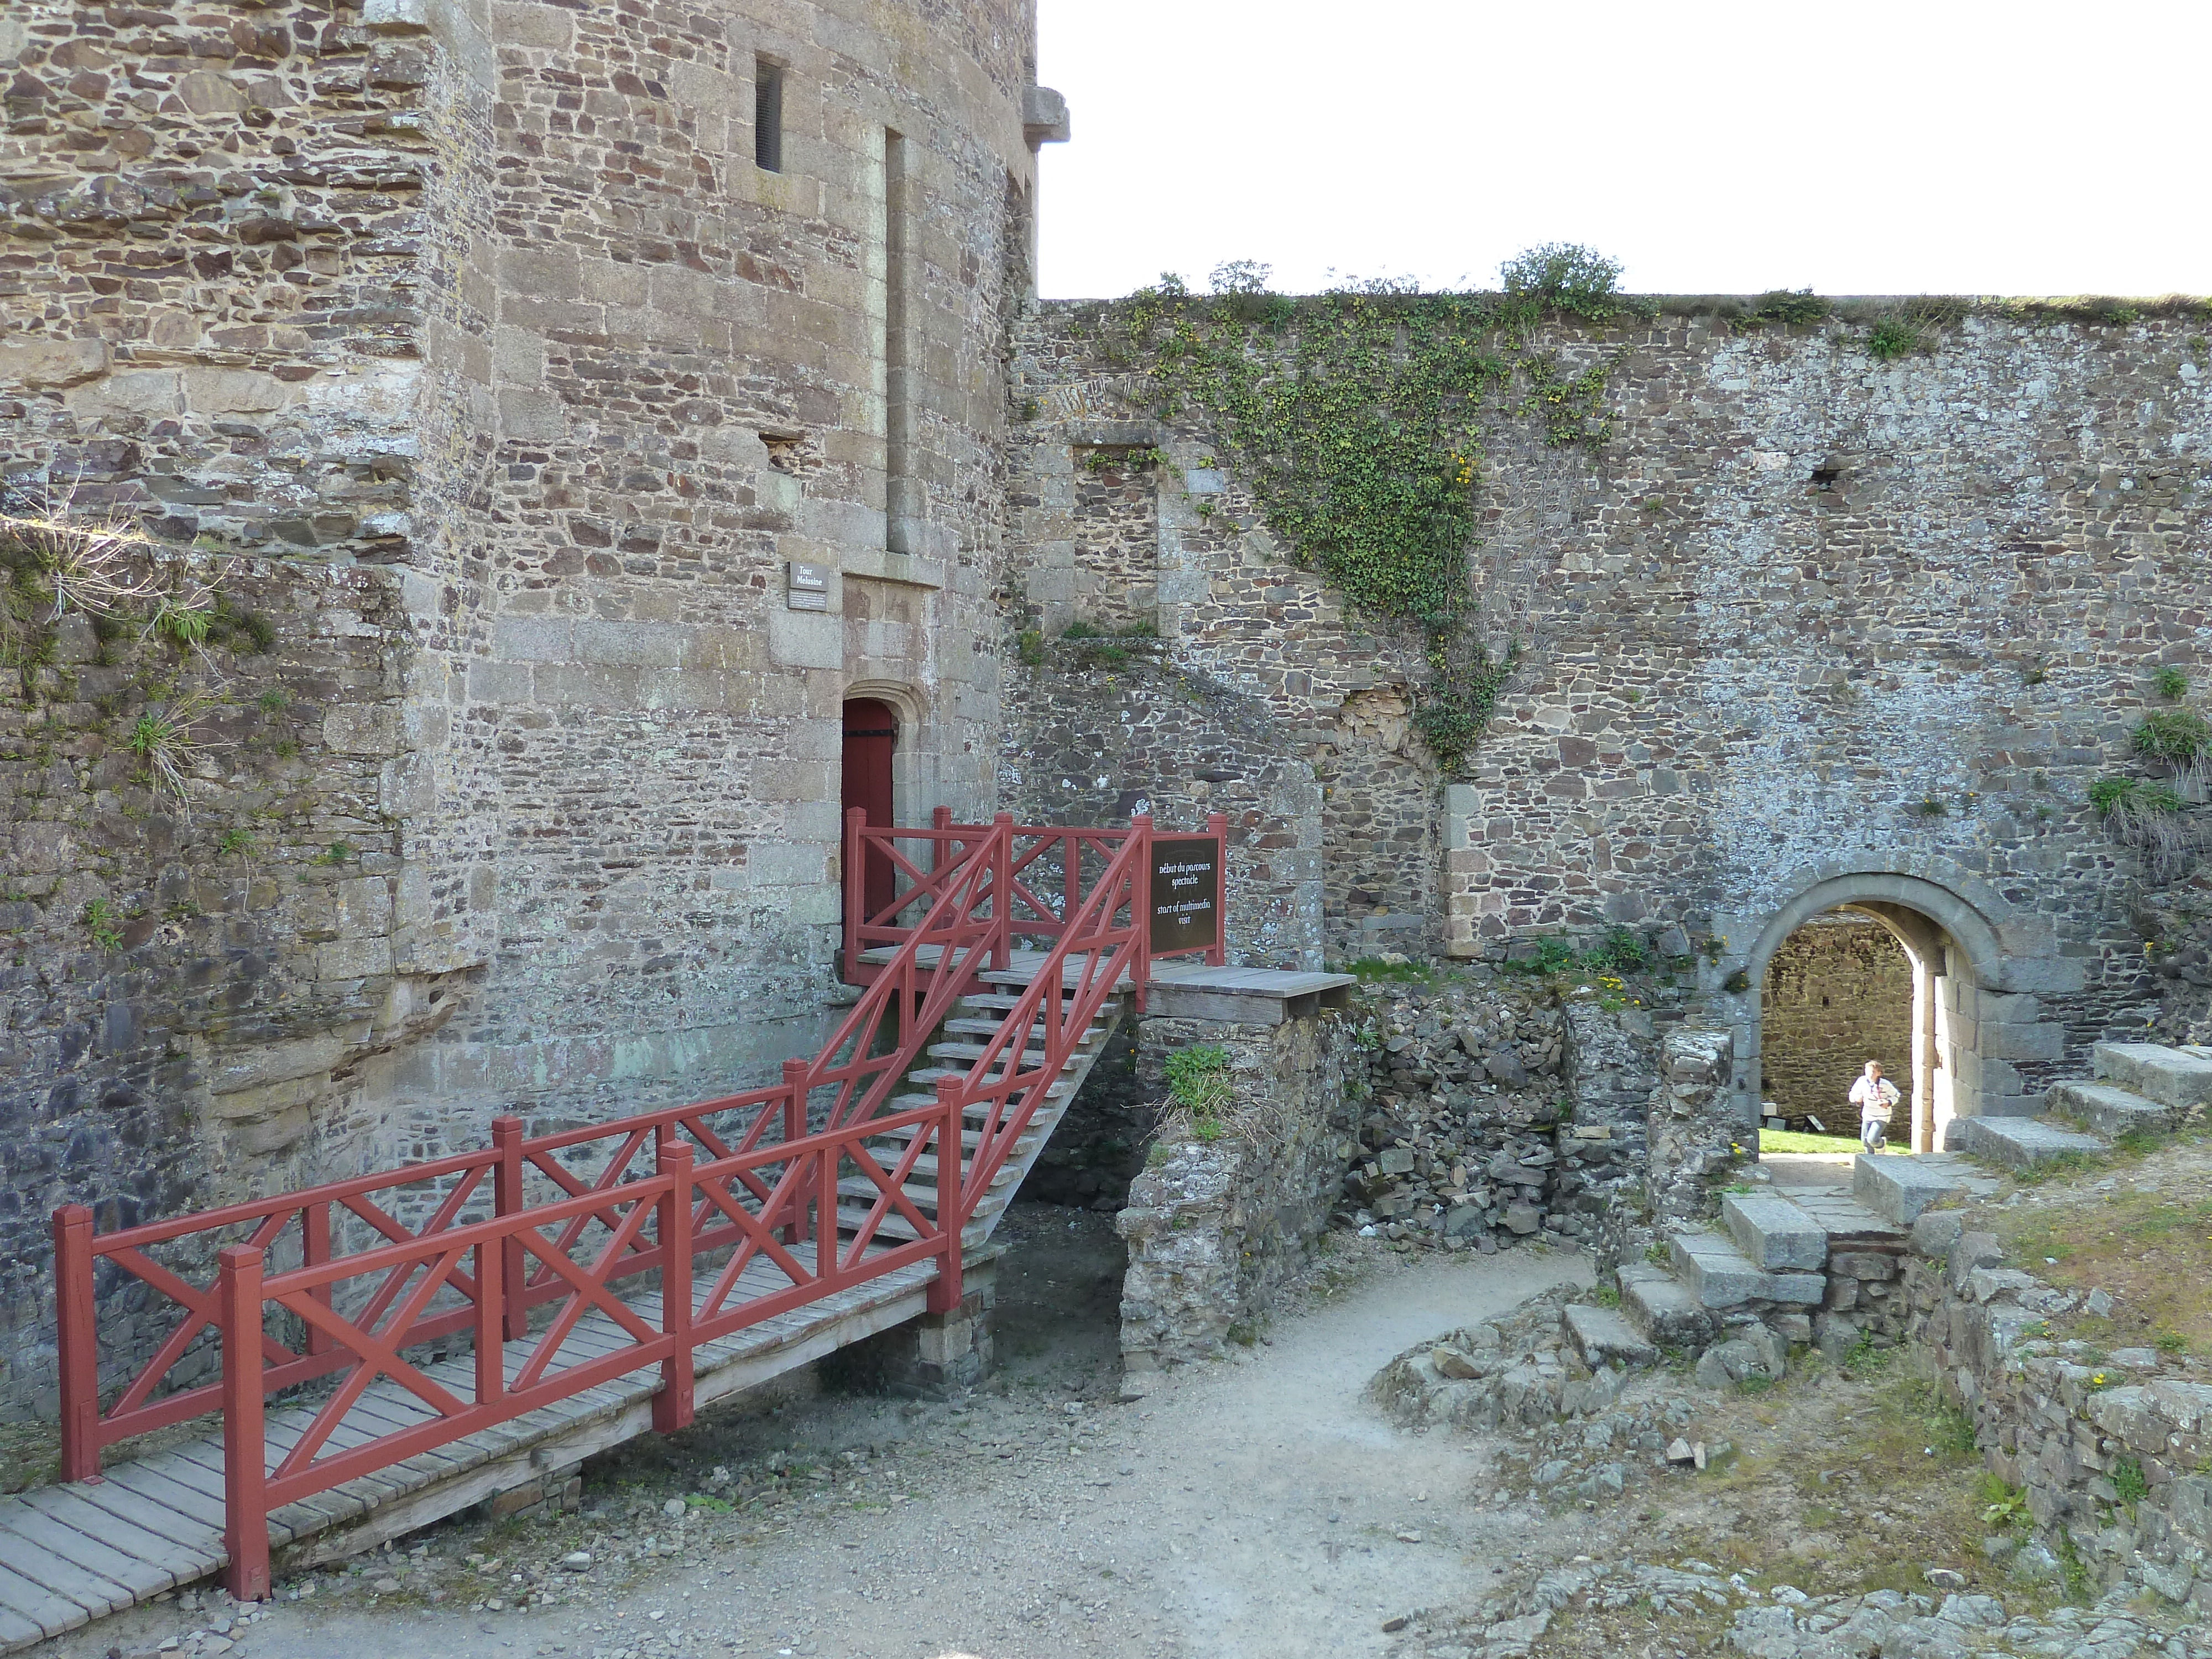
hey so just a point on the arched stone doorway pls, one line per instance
(1981, 1037)
(1837, 993)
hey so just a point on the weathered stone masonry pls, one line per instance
(1806, 619)
(491, 294)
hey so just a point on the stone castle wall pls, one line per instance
(468, 343)
(1838, 993)
(1804, 613)
(1097, 738)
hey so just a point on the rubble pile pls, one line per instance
(1465, 1093)
(1515, 1372)
(1773, 1620)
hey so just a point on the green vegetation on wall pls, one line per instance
(1357, 416)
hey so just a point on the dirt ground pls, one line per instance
(1261, 1507)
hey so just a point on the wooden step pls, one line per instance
(895, 1226)
(992, 1027)
(1008, 1000)
(927, 1164)
(1032, 1058)
(927, 1078)
(923, 1198)
(891, 1139)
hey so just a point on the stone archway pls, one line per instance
(1980, 969)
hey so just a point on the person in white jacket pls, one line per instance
(1876, 1096)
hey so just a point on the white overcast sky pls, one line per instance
(1712, 146)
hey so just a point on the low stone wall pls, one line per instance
(2114, 1451)
(1492, 1110)
(1215, 1227)
(1691, 1140)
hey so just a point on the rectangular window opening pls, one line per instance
(899, 501)
(767, 116)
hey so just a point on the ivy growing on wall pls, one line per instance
(1357, 416)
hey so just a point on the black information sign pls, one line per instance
(1186, 895)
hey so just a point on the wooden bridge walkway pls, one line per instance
(798, 1218)
(70, 1553)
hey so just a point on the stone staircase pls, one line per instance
(1813, 1264)
(2138, 1088)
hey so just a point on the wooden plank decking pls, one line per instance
(71, 1553)
(1172, 976)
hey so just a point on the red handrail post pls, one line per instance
(940, 819)
(1217, 825)
(1002, 890)
(951, 1195)
(672, 1407)
(1071, 860)
(78, 1330)
(314, 1251)
(856, 887)
(794, 1128)
(1141, 904)
(245, 1470)
(491, 1321)
(506, 1200)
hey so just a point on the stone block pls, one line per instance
(1659, 1308)
(1862, 1265)
(2019, 1143)
(782, 863)
(515, 1500)
(362, 729)
(527, 413)
(152, 392)
(1721, 1276)
(2107, 1109)
(1774, 1233)
(800, 639)
(396, 16)
(1898, 1188)
(2171, 1076)
(235, 391)
(533, 24)
(48, 365)
(1603, 1336)
(1935, 1232)
(2041, 1039)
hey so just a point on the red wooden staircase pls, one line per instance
(385, 1346)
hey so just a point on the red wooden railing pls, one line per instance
(514, 1245)
(1054, 860)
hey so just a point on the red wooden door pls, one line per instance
(870, 739)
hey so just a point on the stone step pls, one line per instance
(2105, 1109)
(2020, 1143)
(1848, 1223)
(1775, 1233)
(1603, 1337)
(1898, 1188)
(1719, 1275)
(2171, 1076)
(1660, 1309)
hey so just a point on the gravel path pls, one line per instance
(1261, 1507)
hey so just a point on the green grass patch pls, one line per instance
(1799, 1140)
